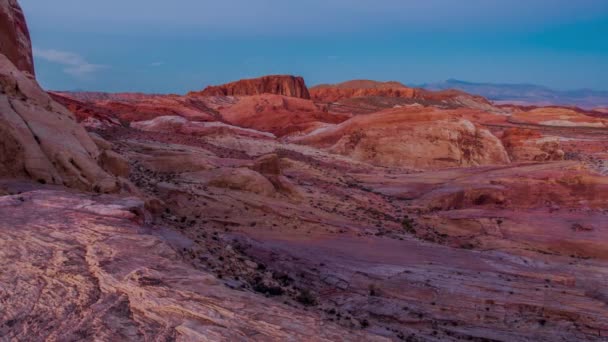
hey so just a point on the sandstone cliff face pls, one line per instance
(15, 41)
(292, 86)
(39, 138)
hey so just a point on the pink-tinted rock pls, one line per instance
(558, 117)
(530, 145)
(280, 115)
(417, 137)
(76, 267)
(374, 90)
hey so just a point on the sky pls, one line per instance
(162, 46)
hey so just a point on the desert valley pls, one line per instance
(266, 210)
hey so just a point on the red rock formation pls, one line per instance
(362, 84)
(87, 114)
(558, 117)
(15, 41)
(292, 86)
(413, 137)
(279, 115)
(360, 88)
(134, 106)
(530, 145)
(178, 124)
(374, 96)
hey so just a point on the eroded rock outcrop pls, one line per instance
(286, 85)
(415, 137)
(15, 41)
(530, 145)
(178, 124)
(88, 114)
(94, 107)
(558, 117)
(39, 138)
(374, 91)
(280, 115)
(360, 88)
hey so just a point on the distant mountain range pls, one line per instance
(527, 94)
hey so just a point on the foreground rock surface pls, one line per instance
(90, 271)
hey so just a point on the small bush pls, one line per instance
(408, 225)
(306, 298)
(373, 290)
(272, 291)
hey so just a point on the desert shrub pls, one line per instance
(269, 290)
(306, 298)
(408, 225)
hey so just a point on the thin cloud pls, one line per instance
(156, 64)
(74, 64)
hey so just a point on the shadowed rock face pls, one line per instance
(292, 86)
(15, 41)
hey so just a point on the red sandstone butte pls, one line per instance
(286, 85)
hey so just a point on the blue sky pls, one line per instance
(180, 45)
